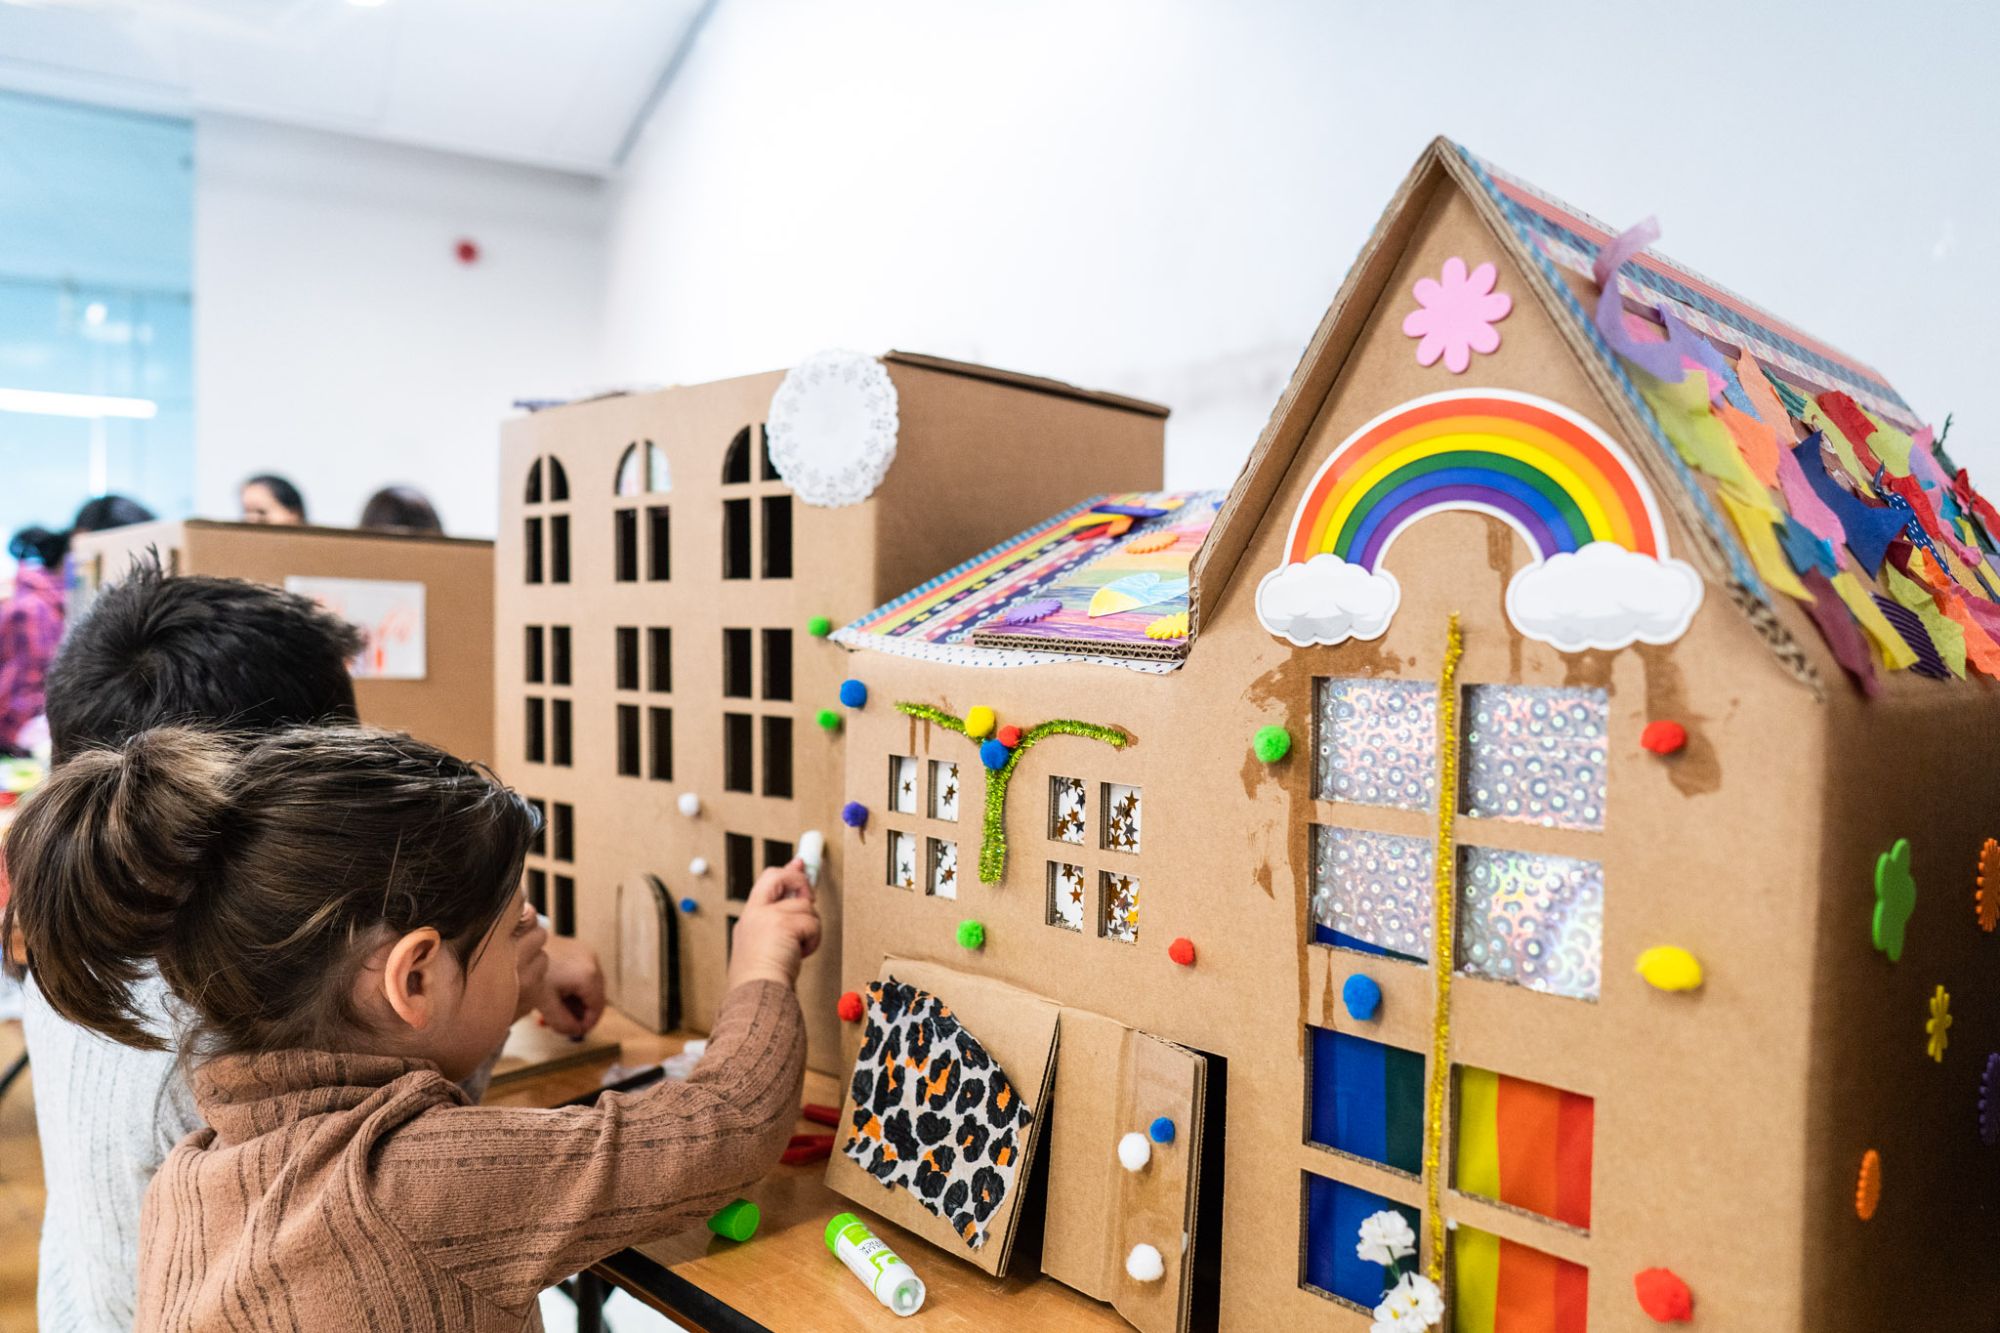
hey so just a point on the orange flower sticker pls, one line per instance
(1868, 1191)
(1987, 900)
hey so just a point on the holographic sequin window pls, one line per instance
(1377, 743)
(1536, 755)
(1373, 891)
(902, 784)
(1069, 810)
(1118, 897)
(1531, 920)
(1066, 891)
(944, 789)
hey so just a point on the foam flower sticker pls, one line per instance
(1895, 899)
(1937, 1028)
(1456, 314)
(1386, 1237)
(1413, 1305)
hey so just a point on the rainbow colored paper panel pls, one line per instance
(1366, 1099)
(1499, 1286)
(1334, 1210)
(1525, 1145)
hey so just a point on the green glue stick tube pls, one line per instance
(894, 1283)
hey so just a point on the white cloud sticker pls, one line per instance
(1326, 600)
(1603, 596)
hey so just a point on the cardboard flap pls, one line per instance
(1018, 1032)
(1113, 1081)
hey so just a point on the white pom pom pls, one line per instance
(690, 804)
(698, 866)
(1135, 1152)
(1145, 1264)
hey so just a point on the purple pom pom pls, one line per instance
(854, 814)
(1027, 613)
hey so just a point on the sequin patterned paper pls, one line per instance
(1377, 742)
(1069, 810)
(944, 789)
(1375, 888)
(1531, 920)
(1535, 754)
(1067, 891)
(944, 868)
(1122, 813)
(933, 1113)
(1120, 895)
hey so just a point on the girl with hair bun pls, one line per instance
(333, 907)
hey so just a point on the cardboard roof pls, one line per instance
(1544, 236)
(1019, 380)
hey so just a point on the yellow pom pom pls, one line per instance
(979, 721)
(1669, 968)
(1174, 626)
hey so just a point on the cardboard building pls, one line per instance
(663, 558)
(424, 604)
(1501, 808)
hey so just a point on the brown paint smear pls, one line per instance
(1696, 770)
(1590, 669)
(1500, 558)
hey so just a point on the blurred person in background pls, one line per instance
(31, 619)
(400, 509)
(269, 498)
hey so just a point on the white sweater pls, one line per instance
(106, 1115)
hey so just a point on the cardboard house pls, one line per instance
(424, 604)
(1548, 797)
(664, 561)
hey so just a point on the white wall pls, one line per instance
(338, 340)
(1162, 195)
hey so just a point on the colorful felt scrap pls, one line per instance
(1806, 551)
(1754, 441)
(1893, 648)
(1850, 453)
(1804, 502)
(1847, 421)
(1525, 1145)
(1842, 635)
(1868, 529)
(1946, 634)
(1500, 1286)
(1929, 662)
(1759, 531)
(1682, 409)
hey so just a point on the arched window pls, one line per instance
(556, 567)
(534, 495)
(642, 469)
(558, 479)
(736, 460)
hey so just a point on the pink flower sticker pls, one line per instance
(1457, 315)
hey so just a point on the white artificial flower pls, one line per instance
(1385, 1238)
(1413, 1305)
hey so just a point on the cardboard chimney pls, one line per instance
(1628, 618)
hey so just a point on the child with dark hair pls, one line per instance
(156, 651)
(31, 620)
(335, 907)
(269, 498)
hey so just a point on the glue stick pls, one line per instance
(893, 1281)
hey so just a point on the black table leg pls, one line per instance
(591, 1293)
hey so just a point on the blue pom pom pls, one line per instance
(854, 814)
(1361, 996)
(688, 905)
(853, 693)
(994, 754)
(1161, 1130)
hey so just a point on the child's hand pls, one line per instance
(779, 928)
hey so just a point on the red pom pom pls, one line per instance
(467, 252)
(1009, 736)
(851, 1008)
(1663, 1296)
(1182, 951)
(1664, 737)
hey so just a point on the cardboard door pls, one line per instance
(1112, 1081)
(644, 973)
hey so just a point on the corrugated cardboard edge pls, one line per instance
(1034, 383)
(331, 530)
(1215, 566)
(1153, 650)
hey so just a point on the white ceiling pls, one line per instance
(553, 83)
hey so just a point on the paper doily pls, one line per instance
(832, 428)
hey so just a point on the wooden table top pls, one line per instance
(784, 1278)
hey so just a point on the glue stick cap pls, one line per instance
(838, 1223)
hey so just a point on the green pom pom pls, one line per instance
(828, 719)
(819, 627)
(971, 935)
(1271, 744)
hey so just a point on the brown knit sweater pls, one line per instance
(336, 1192)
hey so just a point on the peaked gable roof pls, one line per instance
(1542, 236)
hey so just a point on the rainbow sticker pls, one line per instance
(1602, 576)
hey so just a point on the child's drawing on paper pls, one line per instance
(390, 616)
